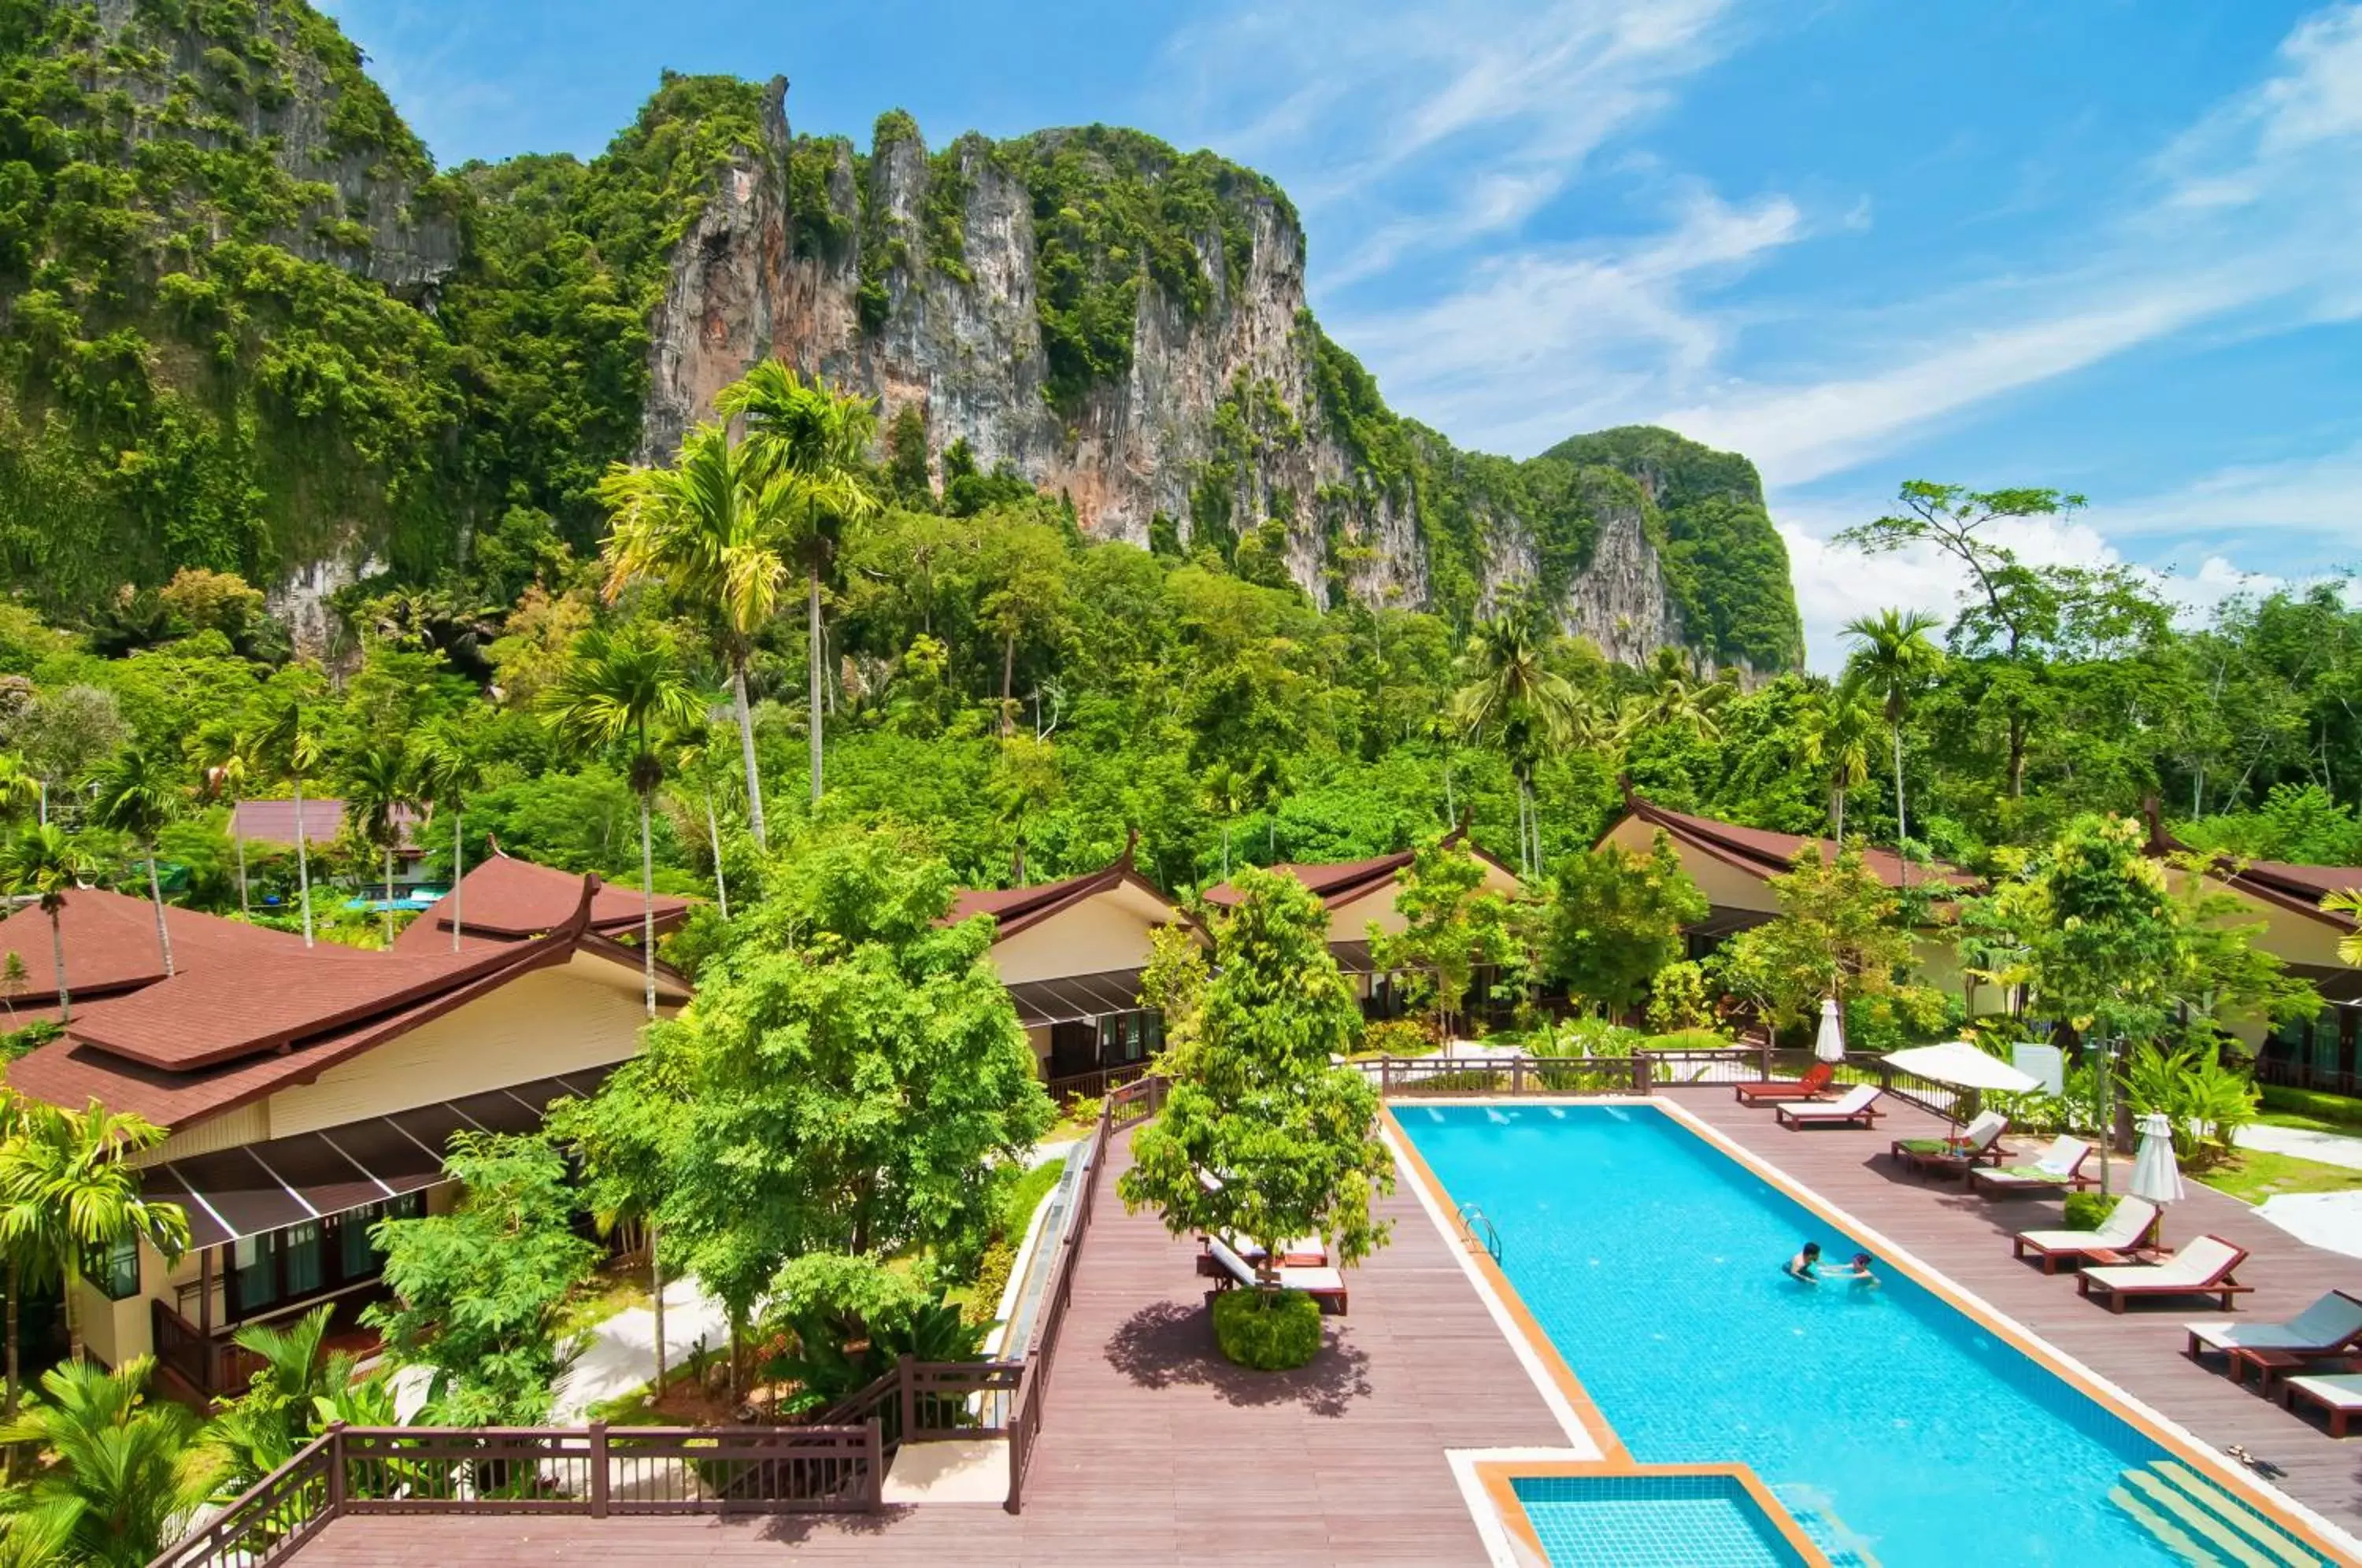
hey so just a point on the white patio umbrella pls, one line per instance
(1829, 1043)
(2155, 1174)
(1961, 1065)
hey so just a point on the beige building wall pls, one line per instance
(1351, 922)
(1724, 886)
(1109, 930)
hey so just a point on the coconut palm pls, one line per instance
(130, 1472)
(619, 688)
(65, 1194)
(260, 1429)
(381, 793)
(1892, 658)
(2348, 903)
(819, 440)
(136, 792)
(292, 750)
(447, 770)
(20, 787)
(693, 758)
(719, 533)
(1676, 699)
(1514, 697)
(41, 861)
(229, 761)
(1834, 736)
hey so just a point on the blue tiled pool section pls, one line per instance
(1652, 1262)
(1651, 1521)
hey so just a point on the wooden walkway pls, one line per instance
(1155, 1449)
(1967, 1239)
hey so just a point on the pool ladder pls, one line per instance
(1477, 1231)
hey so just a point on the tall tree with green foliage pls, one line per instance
(67, 1194)
(1840, 932)
(1615, 919)
(718, 530)
(1513, 698)
(44, 863)
(227, 757)
(479, 1292)
(137, 793)
(1893, 660)
(1289, 1140)
(1835, 737)
(1453, 926)
(856, 1071)
(448, 768)
(290, 746)
(818, 440)
(619, 688)
(129, 1473)
(381, 797)
(626, 1138)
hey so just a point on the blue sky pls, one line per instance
(2111, 246)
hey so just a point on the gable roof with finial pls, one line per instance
(2285, 883)
(1019, 909)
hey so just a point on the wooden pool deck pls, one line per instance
(1966, 1237)
(1154, 1451)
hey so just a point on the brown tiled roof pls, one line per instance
(273, 822)
(2290, 885)
(201, 1044)
(1014, 908)
(505, 900)
(1763, 853)
(1340, 882)
(111, 944)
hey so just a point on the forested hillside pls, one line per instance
(246, 325)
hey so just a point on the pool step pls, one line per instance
(2279, 1546)
(2167, 1533)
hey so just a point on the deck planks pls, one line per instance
(1154, 1449)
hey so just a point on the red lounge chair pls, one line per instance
(1858, 1109)
(1765, 1091)
(2202, 1268)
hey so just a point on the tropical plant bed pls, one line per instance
(1267, 1330)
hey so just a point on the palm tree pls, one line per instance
(20, 787)
(1835, 737)
(618, 688)
(719, 533)
(228, 757)
(66, 1193)
(41, 861)
(2347, 901)
(381, 793)
(820, 441)
(693, 758)
(129, 1475)
(136, 793)
(1512, 695)
(1892, 658)
(261, 1430)
(447, 770)
(1676, 699)
(292, 751)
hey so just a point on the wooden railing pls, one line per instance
(1643, 1072)
(1088, 1085)
(209, 1364)
(930, 1401)
(594, 1470)
(2297, 1073)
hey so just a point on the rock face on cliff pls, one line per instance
(1223, 414)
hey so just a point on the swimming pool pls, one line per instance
(1894, 1428)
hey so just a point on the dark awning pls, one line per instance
(1353, 957)
(1043, 1002)
(256, 1187)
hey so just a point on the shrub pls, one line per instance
(2087, 1210)
(1677, 999)
(1396, 1037)
(1686, 1040)
(1267, 1330)
(1590, 1036)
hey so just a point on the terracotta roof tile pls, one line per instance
(273, 822)
(1334, 882)
(505, 900)
(1772, 854)
(111, 943)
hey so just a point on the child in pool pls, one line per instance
(1858, 1271)
(1806, 1266)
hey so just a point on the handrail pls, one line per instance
(1470, 1216)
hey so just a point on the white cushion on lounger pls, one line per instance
(2339, 1390)
(2196, 1265)
(2056, 1164)
(1856, 1100)
(2330, 1321)
(2125, 1224)
(1319, 1281)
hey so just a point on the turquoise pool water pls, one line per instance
(1651, 1521)
(1893, 1427)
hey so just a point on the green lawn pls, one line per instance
(2256, 1174)
(618, 1283)
(2307, 1123)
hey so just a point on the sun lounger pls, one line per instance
(2205, 1267)
(1325, 1286)
(2331, 1326)
(2339, 1393)
(1766, 1091)
(2059, 1169)
(2132, 1222)
(1980, 1141)
(1858, 1109)
(1304, 1252)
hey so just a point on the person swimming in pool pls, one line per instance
(1857, 1271)
(1806, 1266)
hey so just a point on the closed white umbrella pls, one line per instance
(2155, 1174)
(1963, 1065)
(1829, 1043)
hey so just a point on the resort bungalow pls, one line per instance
(1361, 893)
(274, 823)
(111, 949)
(308, 1092)
(1071, 954)
(1733, 867)
(2313, 1053)
(503, 899)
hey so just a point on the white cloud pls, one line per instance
(2319, 495)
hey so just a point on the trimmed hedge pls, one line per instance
(2343, 1110)
(1270, 1332)
(2087, 1211)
